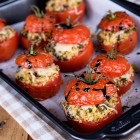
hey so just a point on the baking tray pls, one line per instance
(126, 123)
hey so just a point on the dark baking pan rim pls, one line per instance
(124, 125)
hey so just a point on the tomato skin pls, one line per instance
(122, 20)
(125, 87)
(42, 92)
(40, 60)
(62, 15)
(88, 127)
(8, 48)
(75, 35)
(111, 68)
(77, 62)
(124, 47)
(114, 69)
(24, 41)
(80, 93)
(34, 24)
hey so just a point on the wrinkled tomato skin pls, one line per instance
(124, 47)
(62, 15)
(42, 92)
(111, 68)
(42, 59)
(25, 42)
(95, 94)
(77, 62)
(122, 19)
(34, 24)
(74, 35)
(89, 127)
(124, 88)
(8, 48)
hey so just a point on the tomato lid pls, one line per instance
(35, 24)
(116, 21)
(110, 67)
(40, 60)
(78, 92)
(70, 35)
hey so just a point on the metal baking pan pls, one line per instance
(126, 123)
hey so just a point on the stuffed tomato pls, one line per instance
(37, 29)
(117, 30)
(116, 68)
(61, 9)
(71, 47)
(8, 41)
(91, 104)
(38, 75)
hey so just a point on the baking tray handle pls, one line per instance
(124, 125)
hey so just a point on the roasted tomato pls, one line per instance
(116, 68)
(37, 29)
(71, 47)
(61, 9)
(38, 75)
(8, 41)
(91, 103)
(117, 30)
(2, 22)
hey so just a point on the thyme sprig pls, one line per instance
(37, 11)
(68, 23)
(87, 78)
(112, 55)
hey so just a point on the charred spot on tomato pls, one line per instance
(29, 64)
(110, 82)
(66, 97)
(77, 89)
(121, 27)
(131, 39)
(104, 93)
(51, 16)
(86, 89)
(76, 84)
(64, 26)
(82, 75)
(97, 65)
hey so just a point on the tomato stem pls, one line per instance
(111, 15)
(87, 78)
(38, 13)
(112, 54)
(31, 51)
